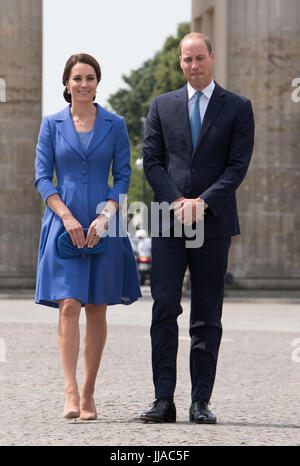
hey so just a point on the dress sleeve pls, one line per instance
(121, 169)
(44, 162)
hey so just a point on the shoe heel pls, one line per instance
(71, 414)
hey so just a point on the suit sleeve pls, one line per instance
(239, 155)
(153, 158)
(44, 162)
(121, 169)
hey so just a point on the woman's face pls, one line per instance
(82, 83)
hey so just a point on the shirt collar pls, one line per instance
(207, 91)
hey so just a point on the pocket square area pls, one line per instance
(66, 249)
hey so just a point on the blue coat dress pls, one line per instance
(110, 277)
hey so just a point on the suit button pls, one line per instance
(193, 170)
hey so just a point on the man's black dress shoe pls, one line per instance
(200, 414)
(162, 410)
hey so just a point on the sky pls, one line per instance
(120, 34)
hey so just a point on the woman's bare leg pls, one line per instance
(68, 343)
(94, 342)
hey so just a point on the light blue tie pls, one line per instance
(196, 119)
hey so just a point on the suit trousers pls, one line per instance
(207, 265)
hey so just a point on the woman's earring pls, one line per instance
(69, 91)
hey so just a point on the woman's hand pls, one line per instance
(75, 230)
(100, 224)
(72, 226)
(96, 230)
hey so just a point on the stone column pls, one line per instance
(20, 118)
(263, 60)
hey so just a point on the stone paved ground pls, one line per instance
(256, 395)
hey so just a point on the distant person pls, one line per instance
(196, 151)
(143, 243)
(82, 142)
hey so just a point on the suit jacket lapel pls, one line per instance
(182, 114)
(103, 124)
(214, 106)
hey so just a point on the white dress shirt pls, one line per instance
(204, 99)
(203, 103)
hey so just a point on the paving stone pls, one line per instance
(256, 394)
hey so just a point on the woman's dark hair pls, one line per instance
(73, 60)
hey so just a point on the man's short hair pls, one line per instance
(205, 39)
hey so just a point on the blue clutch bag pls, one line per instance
(66, 248)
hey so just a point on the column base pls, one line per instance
(17, 281)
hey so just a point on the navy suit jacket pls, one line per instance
(214, 169)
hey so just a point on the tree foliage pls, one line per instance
(159, 74)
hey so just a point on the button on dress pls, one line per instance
(82, 165)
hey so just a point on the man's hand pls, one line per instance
(188, 211)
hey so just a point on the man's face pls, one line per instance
(196, 63)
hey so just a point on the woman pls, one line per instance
(82, 142)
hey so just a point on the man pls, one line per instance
(197, 148)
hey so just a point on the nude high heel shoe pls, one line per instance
(88, 411)
(71, 408)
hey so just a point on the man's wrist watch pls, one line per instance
(204, 204)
